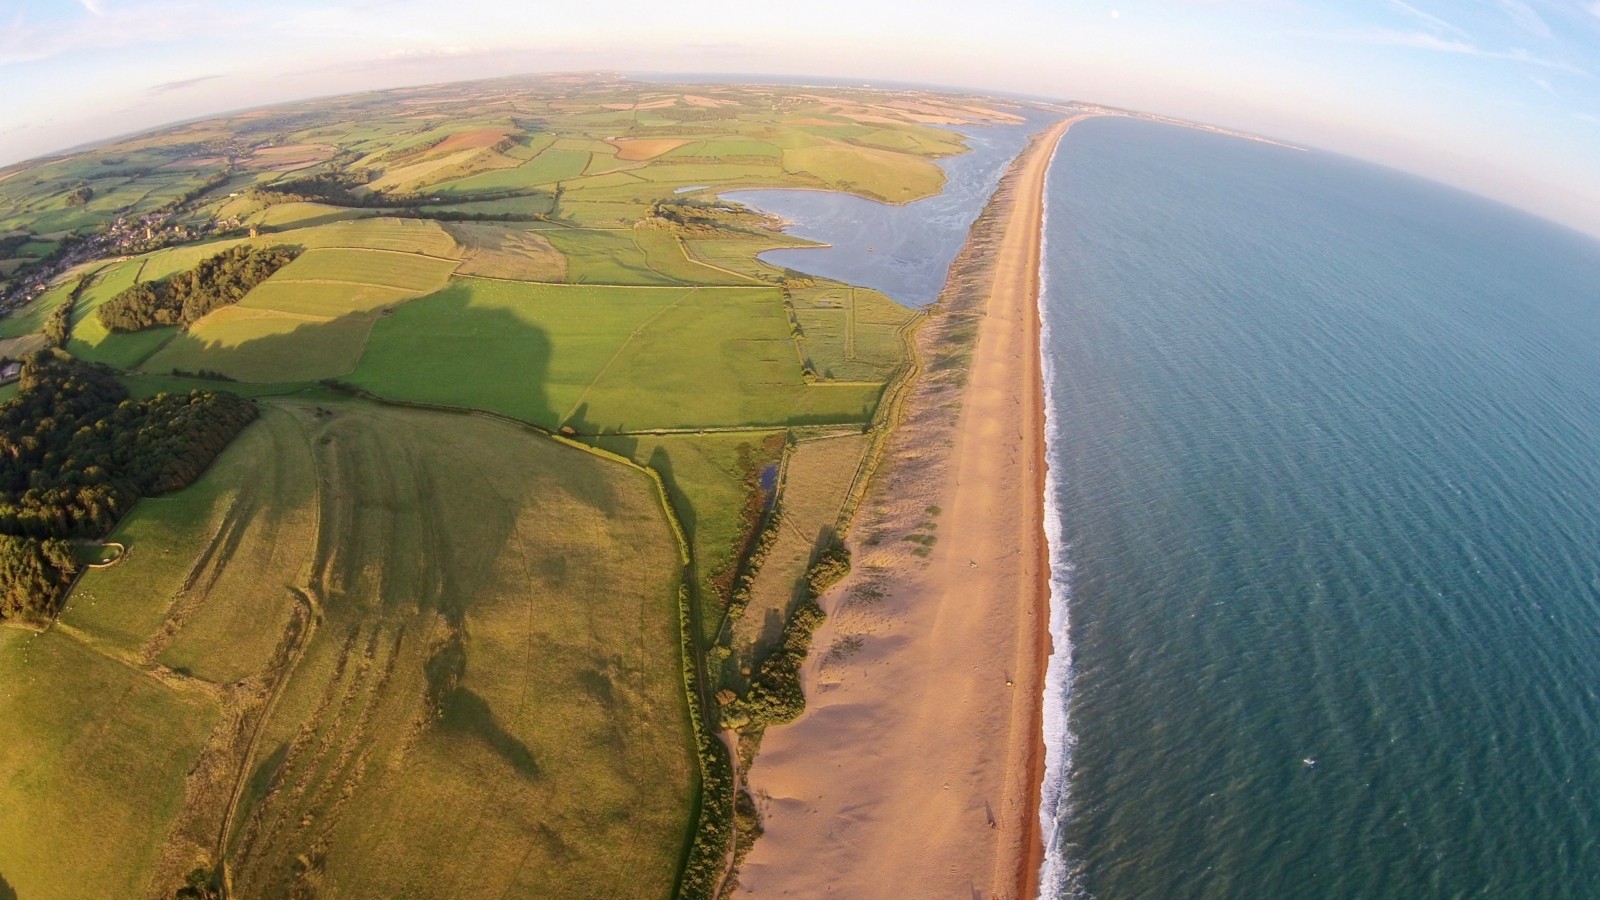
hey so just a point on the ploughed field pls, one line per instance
(544, 457)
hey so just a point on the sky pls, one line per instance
(1501, 97)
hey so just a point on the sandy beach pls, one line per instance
(915, 770)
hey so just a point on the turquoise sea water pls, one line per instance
(1325, 449)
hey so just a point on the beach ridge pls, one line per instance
(917, 766)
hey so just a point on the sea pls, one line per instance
(1324, 508)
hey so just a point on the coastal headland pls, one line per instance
(915, 770)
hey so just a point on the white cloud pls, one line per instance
(1419, 40)
(1431, 19)
(176, 20)
(1525, 17)
(1543, 85)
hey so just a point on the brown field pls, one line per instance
(471, 140)
(499, 251)
(641, 149)
(18, 347)
(293, 156)
(195, 162)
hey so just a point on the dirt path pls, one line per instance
(915, 770)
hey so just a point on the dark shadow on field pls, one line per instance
(467, 713)
(6, 891)
(444, 353)
(661, 461)
(772, 625)
(337, 214)
(407, 545)
(771, 632)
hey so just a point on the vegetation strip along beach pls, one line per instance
(931, 665)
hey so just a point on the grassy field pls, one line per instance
(128, 782)
(30, 318)
(816, 476)
(507, 251)
(407, 271)
(94, 758)
(309, 321)
(420, 236)
(515, 731)
(548, 167)
(887, 175)
(604, 359)
(264, 346)
(91, 341)
(710, 478)
(848, 333)
(634, 256)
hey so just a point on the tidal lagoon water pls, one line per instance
(1325, 492)
(904, 251)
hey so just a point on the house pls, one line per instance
(10, 372)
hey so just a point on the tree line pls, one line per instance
(183, 298)
(76, 452)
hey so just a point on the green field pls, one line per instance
(709, 477)
(604, 359)
(308, 322)
(508, 251)
(891, 176)
(94, 758)
(91, 341)
(30, 318)
(548, 167)
(635, 256)
(380, 267)
(850, 334)
(253, 345)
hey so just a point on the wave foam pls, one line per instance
(1055, 874)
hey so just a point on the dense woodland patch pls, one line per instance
(76, 452)
(184, 298)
